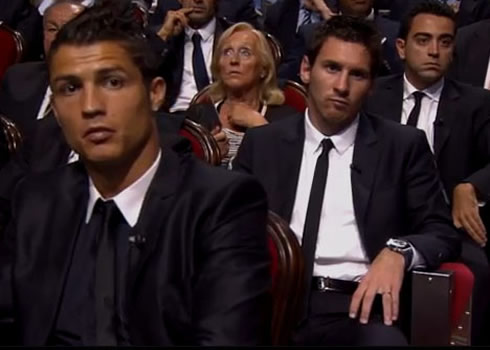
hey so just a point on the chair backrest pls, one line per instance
(275, 47)
(287, 270)
(11, 47)
(295, 95)
(204, 146)
(10, 139)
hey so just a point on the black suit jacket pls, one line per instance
(201, 277)
(461, 133)
(172, 54)
(395, 186)
(22, 92)
(472, 54)
(233, 10)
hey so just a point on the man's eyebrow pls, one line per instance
(103, 71)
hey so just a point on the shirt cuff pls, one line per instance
(418, 260)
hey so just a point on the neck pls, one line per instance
(251, 98)
(356, 13)
(418, 83)
(111, 178)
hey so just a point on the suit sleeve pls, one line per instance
(232, 287)
(243, 159)
(433, 234)
(480, 179)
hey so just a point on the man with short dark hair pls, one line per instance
(135, 244)
(456, 120)
(361, 193)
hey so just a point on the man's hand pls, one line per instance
(385, 277)
(241, 114)
(220, 137)
(466, 214)
(174, 24)
(321, 7)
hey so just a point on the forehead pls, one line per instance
(62, 12)
(74, 60)
(348, 54)
(241, 37)
(428, 23)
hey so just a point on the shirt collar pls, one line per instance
(433, 92)
(129, 201)
(341, 141)
(206, 32)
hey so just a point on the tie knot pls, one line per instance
(196, 38)
(106, 208)
(418, 95)
(327, 145)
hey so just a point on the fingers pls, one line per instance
(220, 136)
(471, 222)
(367, 304)
(356, 300)
(387, 300)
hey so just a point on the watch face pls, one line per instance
(398, 243)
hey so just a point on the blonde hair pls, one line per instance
(269, 91)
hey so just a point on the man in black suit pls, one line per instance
(468, 11)
(472, 55)
(186, 42)
(456, 121)
(233, 10)
(366, 187)
(135, 244)
(24, 91)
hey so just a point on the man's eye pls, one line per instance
(422, 41)
(332, 68)
(67, 89)
(114, 83)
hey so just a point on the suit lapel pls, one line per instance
(448, 104)
(64, 217)
(156, 206)
(393, 99)
(363, 169)
(291, 147)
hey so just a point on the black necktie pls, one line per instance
(106, 217)
(198, 63)
(413, 118)
(313, 213)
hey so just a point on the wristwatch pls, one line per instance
(402, 247)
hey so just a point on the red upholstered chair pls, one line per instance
(204, 146)
(287, 270)
(441, 304)
(295, 95)
(11, 47)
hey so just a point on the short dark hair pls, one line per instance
(110, 20)
(350, 29)
(431, 7)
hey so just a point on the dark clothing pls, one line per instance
(472, 54)
(395, 190)
(172, 59)
(461, 134)
(233, 10)
(199, 277)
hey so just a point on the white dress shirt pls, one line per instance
(339, 250)
(487, 77)
(44, 105)
(130, 200)
(188, 87)
(428, 108)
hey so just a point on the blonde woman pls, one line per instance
(245, 92)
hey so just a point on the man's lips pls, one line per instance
(98, 134)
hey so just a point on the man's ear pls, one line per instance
(305, 70)
(157, 93)
(400, 47)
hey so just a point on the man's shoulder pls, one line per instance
(389, 81)
(478, 95)
(282, 127)
(392, 131)
(477, 27)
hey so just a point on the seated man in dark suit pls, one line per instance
(24, 91)
(472, 55)
(456, 120)
(135, 244)
(361, 193)
(186, 43)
